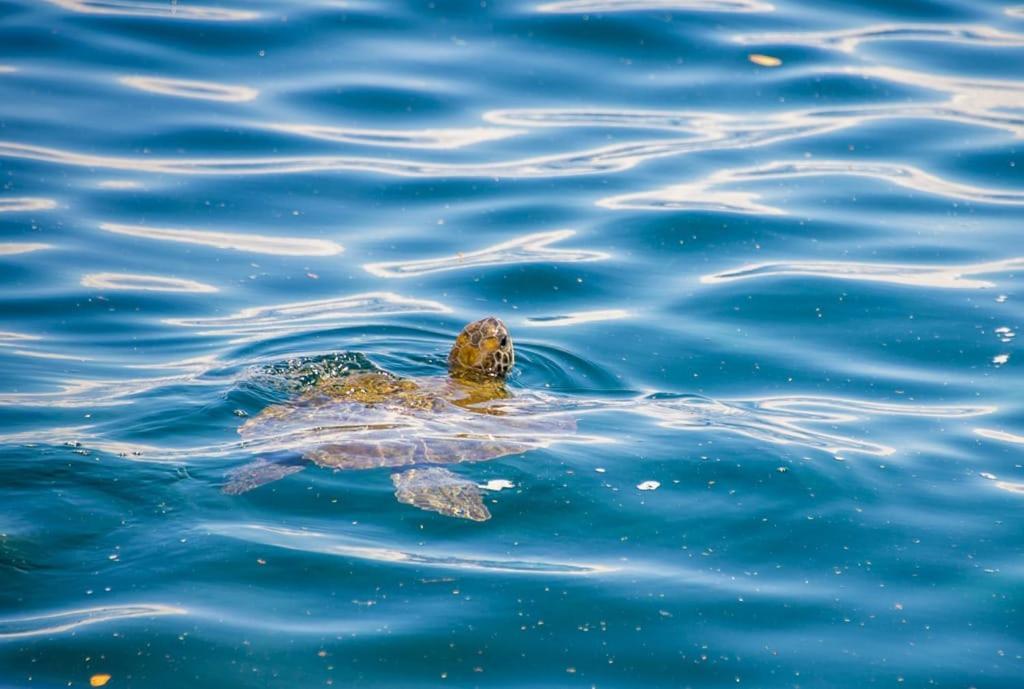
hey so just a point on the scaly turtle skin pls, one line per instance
(376, 419)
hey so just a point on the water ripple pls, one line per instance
(261, 244)
(791, 420)
(608, 6)
(11, 248)
(144, 283)
(265, 321)
(915, 275)
(186, 88)
(1002, 436)
(532, 248)
(847, 40)
(576, 318)
(168, 10)
(55, 623)
(701, 195)
(442, 139)
(25, 203)
(349, 546)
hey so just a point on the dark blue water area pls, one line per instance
(761, 262)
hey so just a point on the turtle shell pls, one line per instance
(377, 420)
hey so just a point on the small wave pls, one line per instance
(255, 243)
(1010, 487)
(947, 277)
(442, 139)
(166, 10)
(708, 132)
(847, 40)
(330, 544)
(607, 6)
(606, 159)
(533, 248)
(25, 203)
(186, 88)
(12, 248)
(144, 283)
(790, 420)
(78, 392)
(58, 622)
(576, 318)
(265, 321)
(701, 195)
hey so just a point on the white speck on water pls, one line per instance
(990, 477)
(648, 485)
(497, 484)
(1000, 359)
(1001, 298)
(600, 470)
(1005, 334)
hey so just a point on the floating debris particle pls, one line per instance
(648, 485)
(764, 60)
(1000, 359)
(990, 477)
(600, 470)
(782, 470)
(99, 680)
(497, 484)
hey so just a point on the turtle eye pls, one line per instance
(504, 341)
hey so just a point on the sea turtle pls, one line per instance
(376, 419)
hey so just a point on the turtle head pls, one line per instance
(482, 351)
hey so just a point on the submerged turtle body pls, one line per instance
(375, 419)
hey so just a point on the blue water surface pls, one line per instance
(768, 255)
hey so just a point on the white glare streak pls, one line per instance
(165, 10)
(261, 244)
(847, 40)
(994, 434)
(533, 248)
(348, 546)
(144, 283)
(55, 623)
(11, 248)
(914, 275)
(442, 139)
(21, 204)
(576, 318)
(701, 195)
(186, 88)
(607, 6)
(266, 321)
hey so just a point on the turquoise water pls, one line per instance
(781, 293)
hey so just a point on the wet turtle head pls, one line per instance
(482, 351)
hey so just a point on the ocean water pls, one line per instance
(767, 255)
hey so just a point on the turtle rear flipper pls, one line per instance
(438, 490)
(261, 472)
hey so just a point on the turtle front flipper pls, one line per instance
(263, 471)
(438, 490)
